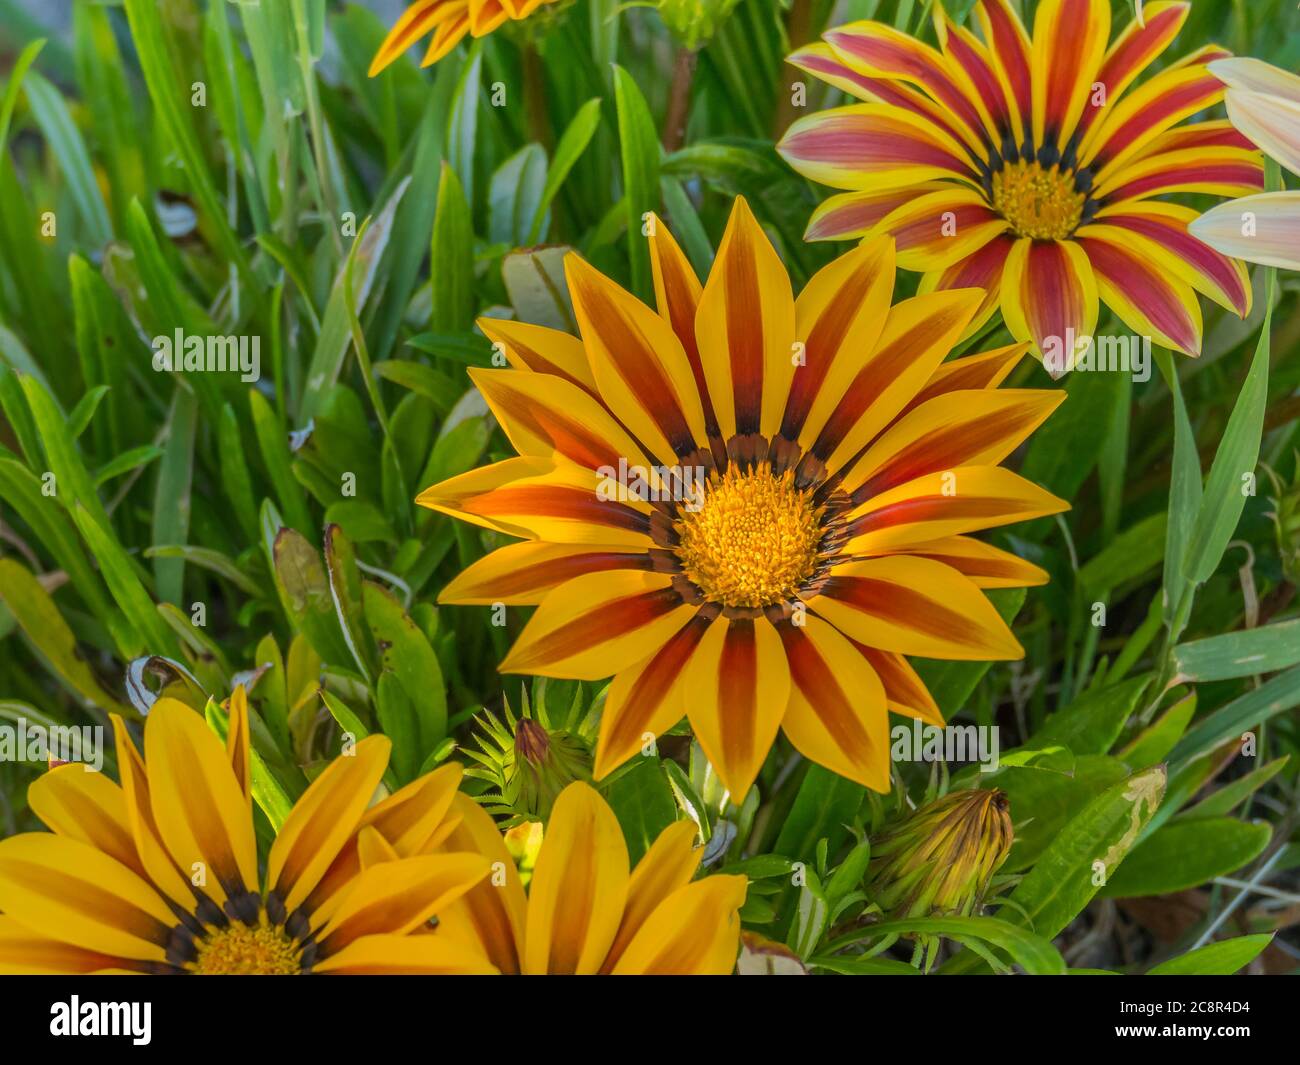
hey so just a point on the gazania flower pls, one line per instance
(1030, 167)
(583, 912)
(160, 875)
(748, 508)
(448, 21)
(1264, 105)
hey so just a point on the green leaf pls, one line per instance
(305, 592)
(570, 148)
(643, 803)
(823, 806)
(1093, 722)
(515, 195)
(1185, 493)
(639, 146)
(1226, 799)
(274, 447)
(1215, 959)
(451, 270)
(1034, 953)
(40, 619)
(1186, 854)
(345, 587)
(1240, 654)
(1237, 457)
(171, 516)
(404, 650)
(1273, 697)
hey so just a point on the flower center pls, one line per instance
(1042, 204)
(754, 539)
(241, 950)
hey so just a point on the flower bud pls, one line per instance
(694, 22)
(939, 859)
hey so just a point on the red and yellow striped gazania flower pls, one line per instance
(448, 21)
(160, 874)
(811, 471)
(583, 912)
(1029, 167)
(1264, 104)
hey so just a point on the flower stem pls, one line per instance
(539, 126)
(679, 98)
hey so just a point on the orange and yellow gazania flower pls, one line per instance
(160, 874)
(816, 468)
(583, 912)
(1030, 167)
(1264, 104)
(449, 21)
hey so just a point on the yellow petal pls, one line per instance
(88, 807)
(739, 686)
(201, 812)
(397, 897)
(415, 955)
(693, 932)
(668, 865)
(579, 886)
(323, 819)
(69, 888)
(24, 952)
(489, 918)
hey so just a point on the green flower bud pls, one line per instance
(694, 22)
(939, 859)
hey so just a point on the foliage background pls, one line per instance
(357, 226)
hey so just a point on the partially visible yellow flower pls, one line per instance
(448, 21)
(1264, 105)
(1032, 165)
(160, 874)
(583, 911)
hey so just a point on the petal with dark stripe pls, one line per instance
(737, 685)
(856, 214)
(1069, 43)
(988, 369)
(905, 692)
(745, 329)
(677, 297)
(1146, 112)
(840, 312)
(646, 700)
(861, 396)
(975, 428)
(836, 716)
(598, 624)
(1009, 52)
(1225, 171)
(1221, 278)
(987, 566)
(935, 230)
(540, 499)
(982, 270)
(640, 367)
(542, 414)
(1133, 51)
(876, 49)
(872, 147)
(1145, 292)
(915, 606)
(522, 574)
(962, 500)
(542, 350)
(1049, 296)
(418, 19)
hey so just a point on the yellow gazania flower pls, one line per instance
(160, 875)
(1030, 167)
(1264, 105)
(817, 469)
(583, 912)
(449, 21)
